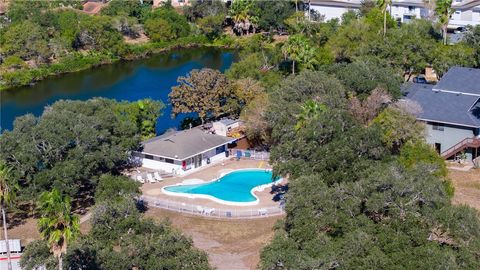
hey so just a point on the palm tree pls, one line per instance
(298, 50)
(311, 110)
(57, 225)
(240, 12)
(444, 11)
(383, 5)
(7, 195)
(293, 48)
(307, 57)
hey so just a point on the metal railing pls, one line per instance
(460, 146)
(224, 213)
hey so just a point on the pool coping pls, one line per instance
(217, 200)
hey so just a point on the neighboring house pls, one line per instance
(467, 12)
(179, 152)
(174, 3)
(451, 111)
(402, 11)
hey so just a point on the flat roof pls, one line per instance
(184, 144)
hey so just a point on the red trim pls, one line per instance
(11, 257)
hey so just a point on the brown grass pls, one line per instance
(230, 244)
(467, 187)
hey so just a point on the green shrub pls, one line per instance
(165, 24)
(419, 152)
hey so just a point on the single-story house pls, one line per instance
(224, 126)
(451, 111)
(180, 152)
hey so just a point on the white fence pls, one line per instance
(248, 212)
(250, 154)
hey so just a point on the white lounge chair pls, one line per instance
(209, 211)
(200, 209)
(150, 178)
(157, 176)
(140, 179)
(262, 211)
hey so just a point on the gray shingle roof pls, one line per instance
(183, 144)
(460, 79)
(445, 107)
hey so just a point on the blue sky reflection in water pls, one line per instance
(133, 80)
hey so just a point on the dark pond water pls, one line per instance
(134, 80)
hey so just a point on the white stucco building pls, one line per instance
(467, 12)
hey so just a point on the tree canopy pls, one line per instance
(73, 142)
(164, 24)
(120, 237)
(206, 92)
(354, 202)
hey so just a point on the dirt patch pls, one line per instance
(93, 7)
(140, 40)
(467, 187)
(27, 231)
(230, 244)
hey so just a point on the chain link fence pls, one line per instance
(224, 213)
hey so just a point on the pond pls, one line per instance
(152, 77)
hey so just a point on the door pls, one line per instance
(438, 148)
(198, 161)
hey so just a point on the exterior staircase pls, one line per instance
(464, 144)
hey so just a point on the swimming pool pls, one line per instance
(234, 188)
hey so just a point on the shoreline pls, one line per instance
(145, 52)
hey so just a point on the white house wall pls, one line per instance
(176, 167)
(161, 166)
(331, 12)
(400, 12)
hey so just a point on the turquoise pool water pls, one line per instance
(232, 187)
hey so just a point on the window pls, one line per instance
(438, 127)
(158, 158)
(167, 160)
(219, 149)
(148, 156)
